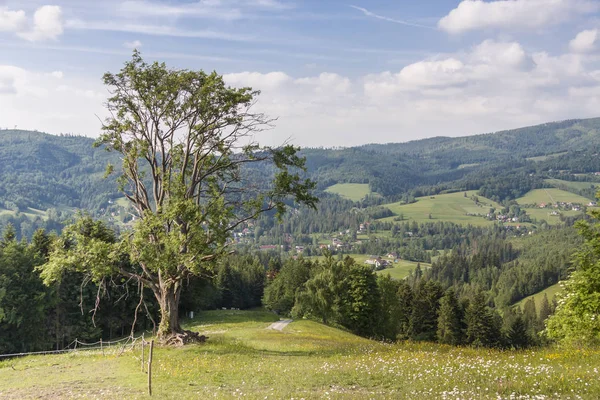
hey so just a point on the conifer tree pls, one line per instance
(482, 326)
(450, 330)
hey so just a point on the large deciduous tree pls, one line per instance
(189, 168)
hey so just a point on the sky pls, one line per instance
(333, 72)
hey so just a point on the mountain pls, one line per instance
(41, 172)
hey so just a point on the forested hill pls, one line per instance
(39, 171)
(394, 168)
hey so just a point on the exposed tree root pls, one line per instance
(183, 338)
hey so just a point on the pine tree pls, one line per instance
(405, 300)
(482, 325)
(518, 336)
(449, 329)
(424, 316)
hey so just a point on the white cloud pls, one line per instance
(213, 9)
(521, 14)
(12, 21)
(47, 23)
(495, 85)
(49, 101)
(585, 41)
(136, 44)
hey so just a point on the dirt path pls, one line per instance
(551, 199)
(278, 326)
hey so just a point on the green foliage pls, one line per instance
(450, 329)
(483, 326)
(577, 316)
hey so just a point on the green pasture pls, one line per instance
(452, 207)
(550, 291)
(307, 360)
(551, 195)
(352, 191)
(402, 268)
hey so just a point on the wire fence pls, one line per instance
(105, 347)
(115, 347)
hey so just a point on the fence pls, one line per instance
(115, 347)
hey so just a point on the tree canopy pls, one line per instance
(186, 141)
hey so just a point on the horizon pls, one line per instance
(335, 74)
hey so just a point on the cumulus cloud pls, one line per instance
(136, 44)
(49, 101)
(12, 21)
(472, 15)
(494, 85)
(585, 41)
(47, 23)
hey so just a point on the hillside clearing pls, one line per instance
(546, 157)
(572, 185)
(307, 360)
(402, 269)
(551, 196)
(351, 191)
(452, 207)
(550, 292)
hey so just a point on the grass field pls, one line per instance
(352, 191)
(402, 268)
(539, 296)
(359, 258)
(242, 359)
(546, 157)
(451, 207)
(462, 166)
(572, 185)
(551, 195)
(545, 214)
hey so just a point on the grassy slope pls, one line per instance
(550, 291)
(401, 269)
(451, 207)
(551, 195)
(546, 157)
(572, 185)
(352, 191)
(306, 360)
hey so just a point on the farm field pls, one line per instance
(545, 214)
(451, 207)
(546, 157)
(359, 258)
(539, 296)
(551, 195)
(402, 268)
(572, 185)
(352, 191)
(243, 359)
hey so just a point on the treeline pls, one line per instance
(509, 274)
(344, 294)
(36, 317)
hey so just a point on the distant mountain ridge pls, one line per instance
(40, 170)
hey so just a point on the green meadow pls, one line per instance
(550, 291)
(352, 191)
(402, 268)
(551, 195)
(452, 207)
(572, 185)
(307, 360)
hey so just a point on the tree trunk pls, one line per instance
(168, 300)
(169, 329)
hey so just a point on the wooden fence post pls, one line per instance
(101, 347)
(143, 353)
(150, 368)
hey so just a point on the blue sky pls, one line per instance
(335, 73)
